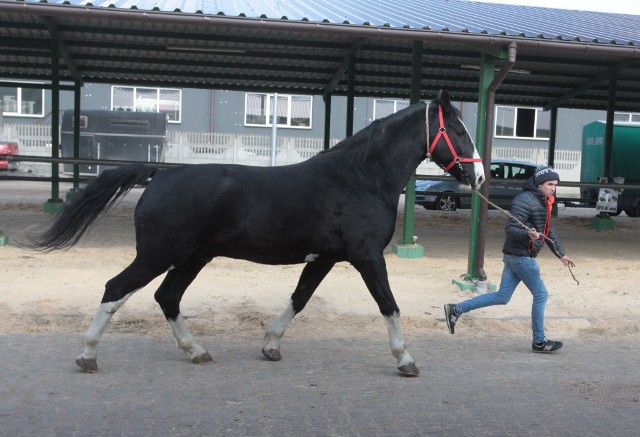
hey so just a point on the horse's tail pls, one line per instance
(98, 196)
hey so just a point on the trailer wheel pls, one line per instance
(633, 212)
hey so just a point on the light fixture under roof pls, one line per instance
(205, 49)
(477, 67)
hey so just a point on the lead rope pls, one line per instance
(508, 214)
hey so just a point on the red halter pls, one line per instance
(442, 132)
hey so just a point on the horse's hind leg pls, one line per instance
(117, 291)
(374, 273)
(169, 296)
(312, 274)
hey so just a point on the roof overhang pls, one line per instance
(195, 50)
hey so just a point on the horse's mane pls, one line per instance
(355, 149)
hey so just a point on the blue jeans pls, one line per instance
(516, 269)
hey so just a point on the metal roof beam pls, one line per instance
(38, 86)
(62, 49)
(163, 37)
(590, 83)
(339, 73)
(25, 43)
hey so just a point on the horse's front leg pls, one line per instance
(374, 273)
(312, 274)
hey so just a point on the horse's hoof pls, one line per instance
(272, 354)
(409, 370)
(202, 358)
(89, 366)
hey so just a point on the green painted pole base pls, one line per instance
(52, 206)
(4, 239)
(474, 286)
(602, 222)
(408, 250)
(72, 195)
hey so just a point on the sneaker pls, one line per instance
(451, 316)
(546, 346)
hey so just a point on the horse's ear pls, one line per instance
(445, 100)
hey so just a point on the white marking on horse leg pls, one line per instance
(92, 336)
(398, 348)
(275, 332)
(311, 257)
(184, 339)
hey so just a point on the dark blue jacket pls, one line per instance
(529, 207)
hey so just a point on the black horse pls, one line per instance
(340, 205)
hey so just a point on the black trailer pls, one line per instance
(119, 135)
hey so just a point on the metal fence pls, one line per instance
(185, 147)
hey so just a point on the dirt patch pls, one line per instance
(60, 291)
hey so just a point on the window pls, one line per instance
(384, 107)
(292, 111)
(139, 99)
(512, 122)
(626, 116)
(22, 101)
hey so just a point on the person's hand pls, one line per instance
(534, 235)
(568, 262)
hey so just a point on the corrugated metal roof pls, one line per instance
(449, 15)
(304, 47)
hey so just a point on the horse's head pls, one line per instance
(450, 145)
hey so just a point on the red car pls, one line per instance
(8, 148)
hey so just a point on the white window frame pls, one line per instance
(515, 123)
(269, 110)
(630, 117)
(405, 103)
(19, 103)
(156, 108)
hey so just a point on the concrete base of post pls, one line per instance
(52, 206)
(408, 250)
(603, 222)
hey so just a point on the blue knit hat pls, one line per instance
(544, 174)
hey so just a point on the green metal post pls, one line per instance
(76, 134)
(406, 248)
(327, 121)
(487, 72)
(55, 205)
(75, 192)
(351, 93)
(608, 135)
(552, 147)
(603, 221)
(552, 135)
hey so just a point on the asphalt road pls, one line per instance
(332, 387)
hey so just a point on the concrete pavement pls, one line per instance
(331, 387)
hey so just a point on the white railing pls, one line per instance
(186, 147)
(247, 149)
(566, 162)
(34, 138)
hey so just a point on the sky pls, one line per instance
(615, 6)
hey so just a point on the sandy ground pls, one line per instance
(59, 291)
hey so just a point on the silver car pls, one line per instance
(504, 186)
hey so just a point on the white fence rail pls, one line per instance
(205, 147)
(201, 147)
